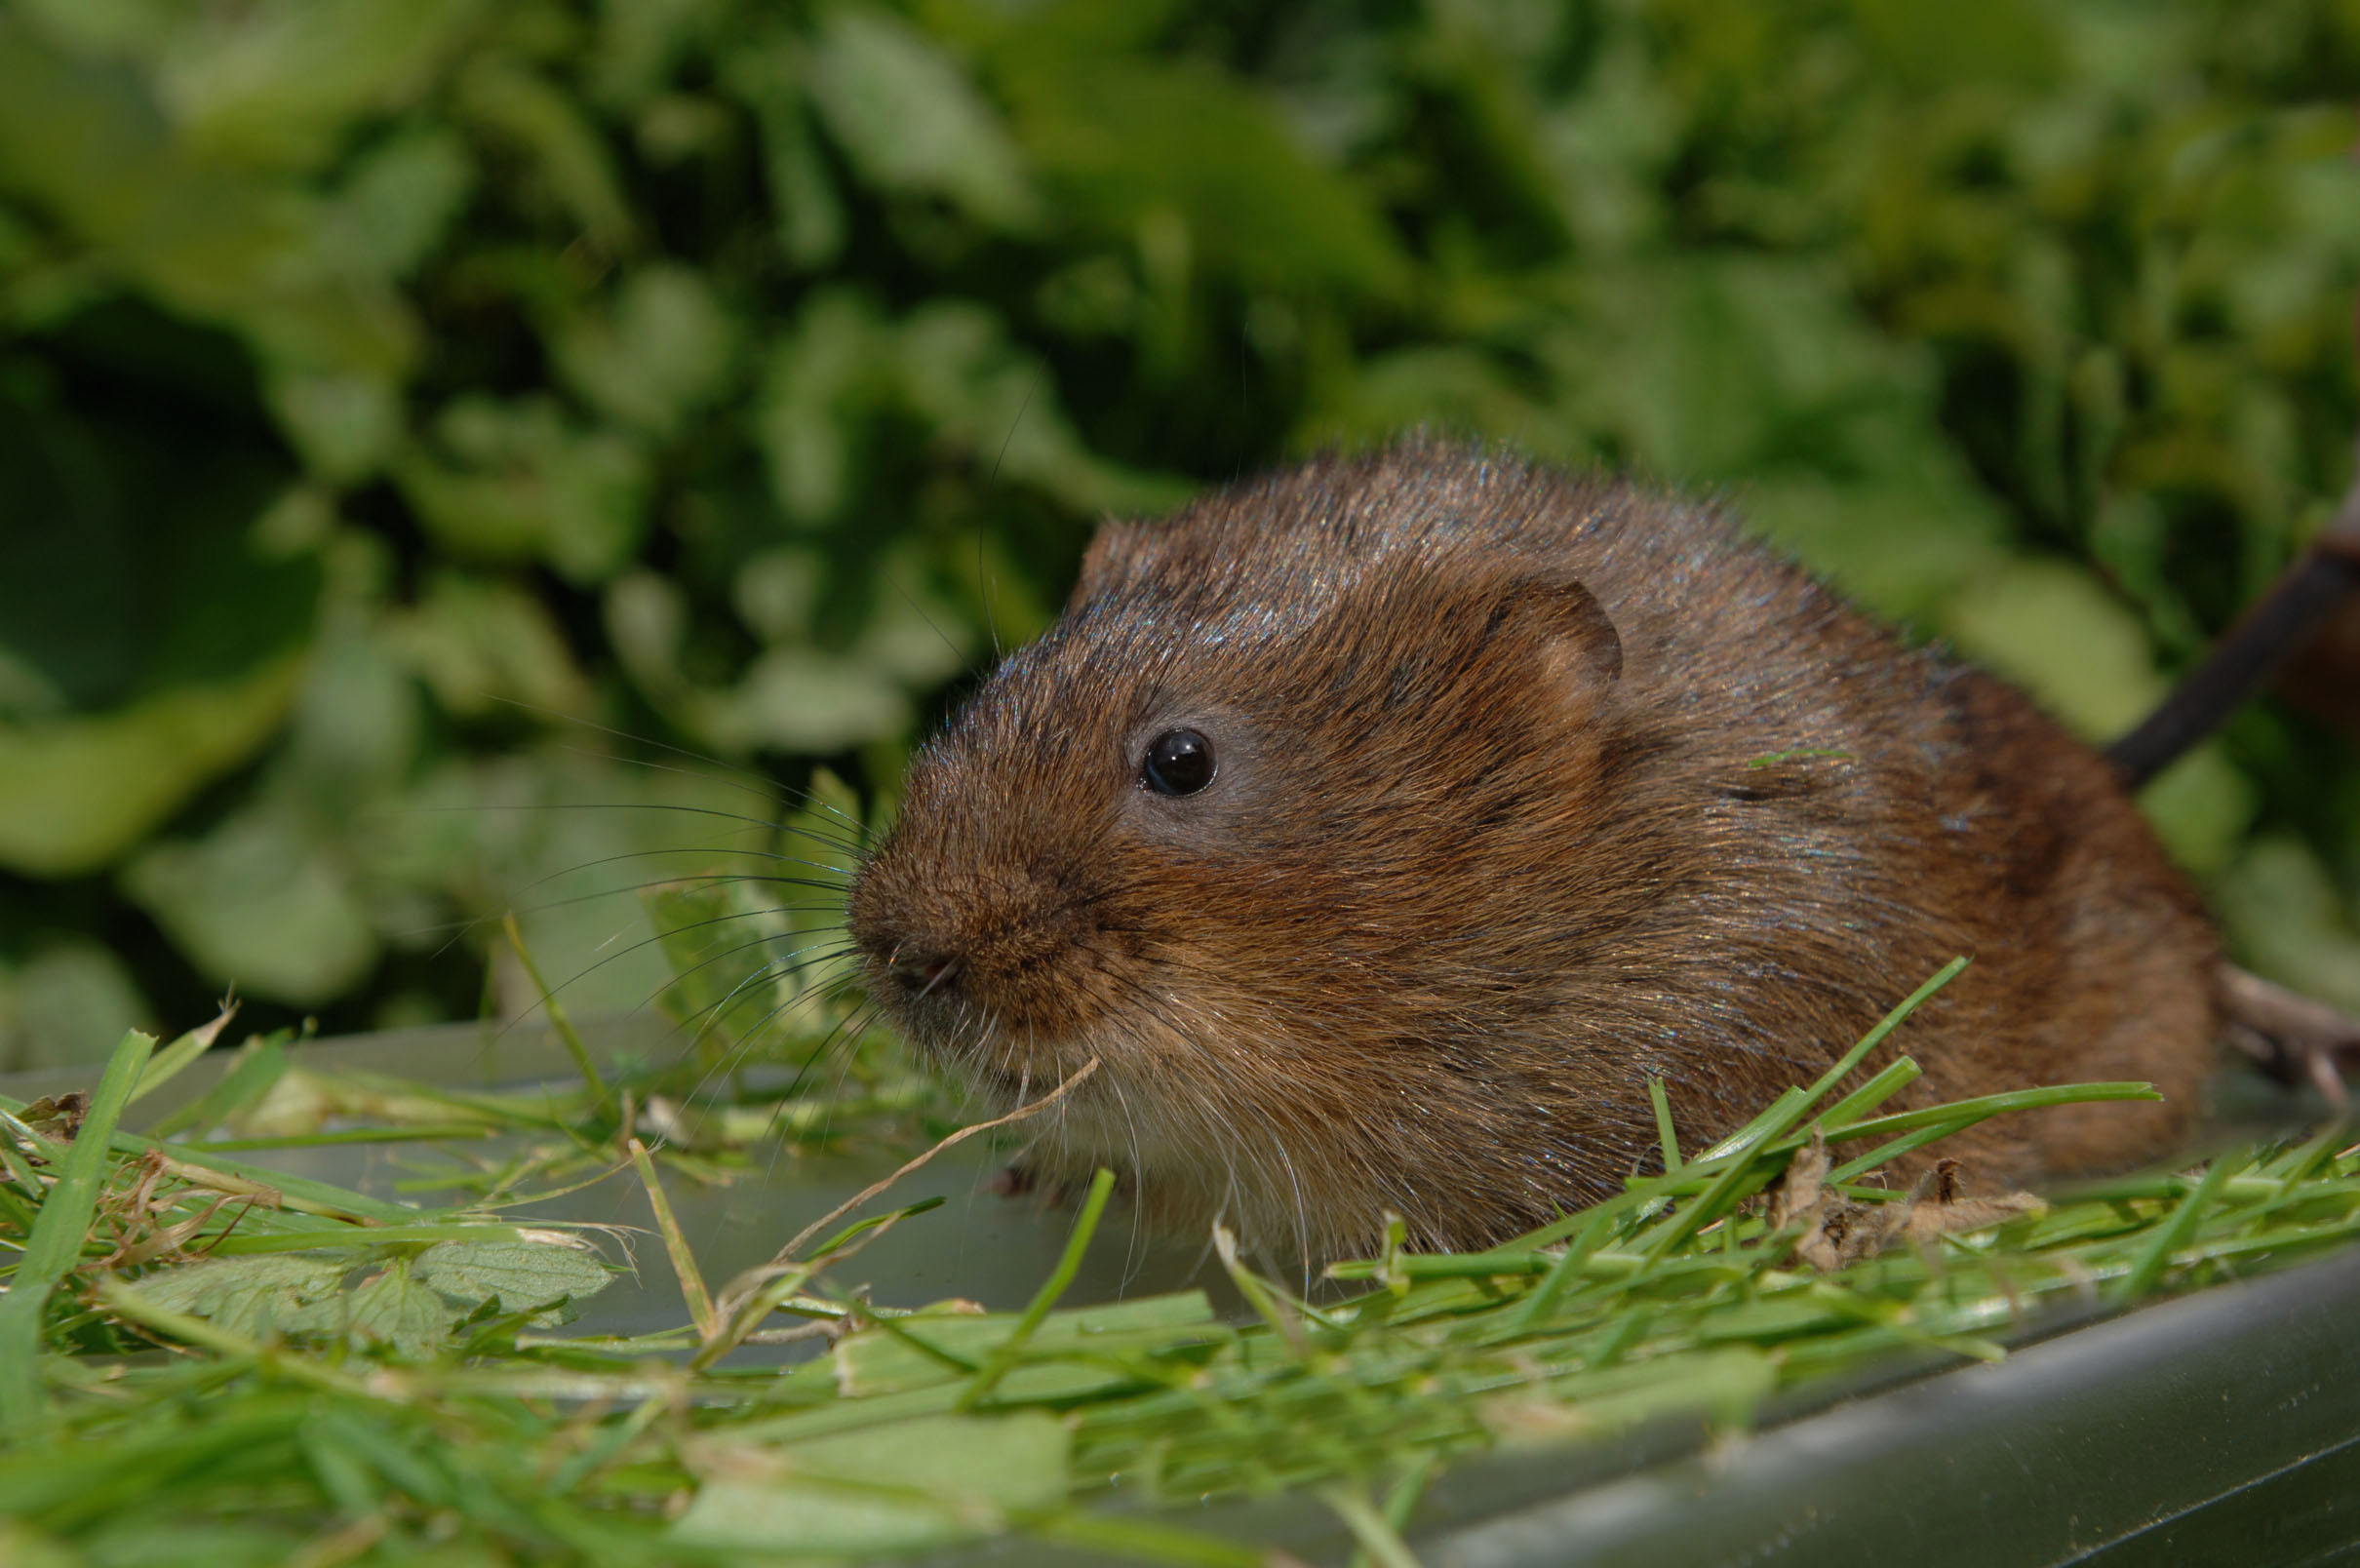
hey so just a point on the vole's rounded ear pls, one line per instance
(1108, 559)
(1567, 619)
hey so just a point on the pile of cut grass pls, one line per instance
(206, 1362)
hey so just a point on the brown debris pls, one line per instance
(57, 1115)
(1839, 1230)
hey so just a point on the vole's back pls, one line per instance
(1540, 787)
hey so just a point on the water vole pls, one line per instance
(1382, 825)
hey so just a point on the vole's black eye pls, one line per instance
(1179, 762)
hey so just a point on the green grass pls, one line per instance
(213, 1363)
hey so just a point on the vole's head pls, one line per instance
(1273, 824)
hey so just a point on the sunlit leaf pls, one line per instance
(255, 1297)
(256, 905)
(909, 120)
(393, 1309)
(515, 1273)
(570, 164)
(77, 792)
(666, 348)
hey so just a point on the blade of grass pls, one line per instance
(1887, 1024)
(305, 1194)
(1663, 1125)
(1401, 1499)
(1379, 1542)
(1044, 1300)
(1786, 1115)
(58, 1233)
(786, 1254)
(751, 1297)
(1897, 1075)
(559, 1020)
(1709, 1205)
(451, 1131)
(257, 1065)
(1546, 1294)
(1779, 1115)
(168, 1063)
(1135, 1540)
(1941, 1120)
(676, 1245)
(2157, 1255)
(371, 1236)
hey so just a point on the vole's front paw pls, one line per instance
(1013, 1180)
(1020, 1179)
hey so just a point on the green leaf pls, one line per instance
(768, 75)
(280, 88)
(77, 792)
(2050, 628)
(394, 1310)
(518, 1274)
(1123, 140)
(255, 1297)
(524, 109)
(985, 395)
(477, 641)
(1713, 367)
(526, 484)
(1900, 548)
(65, 1005)
(831, 1494)
(2287, 920)
(344, 423)
(820, 373)
(397, 203)
(953, 366)
(666, 349)
(910, 120)
(2201, 807)
(727, 943)
(258, 904)
(796, 699)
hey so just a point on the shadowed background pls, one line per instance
(395, 392)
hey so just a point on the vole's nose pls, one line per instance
(922, 971)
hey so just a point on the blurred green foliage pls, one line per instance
(394, 390)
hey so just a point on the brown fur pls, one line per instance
(1492, 842)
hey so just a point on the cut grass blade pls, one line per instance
(1896, 1076)
(257, 1065)
(168, 1064)
(55, 1242)
(2157, 1255)
(1379, 1542)
(1886, 1025)
(558, 1019)
(676, 1245)
(1943, 1121)
(1044, 1300)
(1665, 1131)
(1545, 1296)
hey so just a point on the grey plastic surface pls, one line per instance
(2221, 1428)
